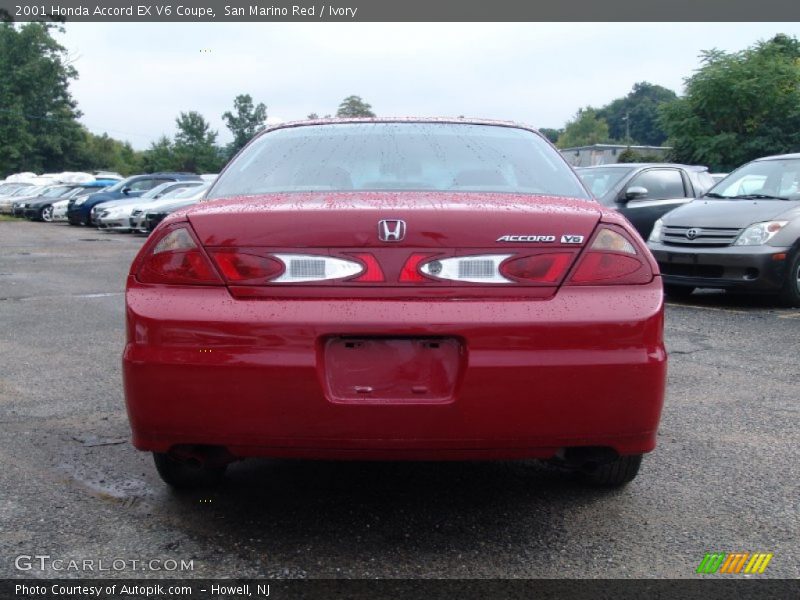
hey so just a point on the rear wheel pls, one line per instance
(187, 474)
(790, 294)
(615, 473)
(47, 214)
(677, 291)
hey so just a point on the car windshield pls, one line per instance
(399, 156)
(57, 191)
(189, 192)
(30, 190)
(157, 191)
(763, 179)
(118, 186)
(600, 180)
(8, 188)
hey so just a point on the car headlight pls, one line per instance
(655, 235)
(759, 233)
(79, 201)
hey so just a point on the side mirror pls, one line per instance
(635, 192)
(126, 190)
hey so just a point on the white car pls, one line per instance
(182, 198)
(116, 214)
(59, 210)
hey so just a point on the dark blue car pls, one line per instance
(79, 210)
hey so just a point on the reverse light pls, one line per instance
(611, 259)
(481, 268)
(178, 260)
(759, 233)
(310, 267)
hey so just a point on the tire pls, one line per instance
(677, 291)
(615, 473)
(46, 214)
(187, 475)
(790, 294)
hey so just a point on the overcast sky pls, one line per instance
(136, 78)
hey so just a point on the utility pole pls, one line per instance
(628, 128)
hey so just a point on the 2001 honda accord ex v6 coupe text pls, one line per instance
(395, 289)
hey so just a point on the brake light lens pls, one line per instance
(246, 267)
(178, 260)
(410, 272)
(539, 268)
(611, 259)
(373, 272)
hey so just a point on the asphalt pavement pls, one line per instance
(724, 478)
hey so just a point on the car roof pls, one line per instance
(642, 165)
(794, 155)
(163, 174)
(448, 120)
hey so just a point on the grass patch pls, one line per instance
(8, 218)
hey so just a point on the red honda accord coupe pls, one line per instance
(395, 289)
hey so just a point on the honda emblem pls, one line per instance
(391, 230)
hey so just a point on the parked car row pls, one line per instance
(737, 231)
(137, 203)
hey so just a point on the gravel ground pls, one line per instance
(724, 477)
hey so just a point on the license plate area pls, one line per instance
(683, 258)
(374, 370)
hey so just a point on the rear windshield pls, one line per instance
(399, 156)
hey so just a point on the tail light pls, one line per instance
(611, 259)
(177, 259)
(539, 268)
(410, 272)
(246, 267)
(372, 272)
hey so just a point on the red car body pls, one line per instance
(396, 364)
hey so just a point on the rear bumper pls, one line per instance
(745, 268)
(586, 368)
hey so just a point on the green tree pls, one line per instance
(551, 134)
(160, 156)
(101, 152)
(634, 119)
(738, 106)
(245, 122)
(39, 130)
(629, 155)
(354, 106)
(585, 129)
(195, 148)
(312, 116)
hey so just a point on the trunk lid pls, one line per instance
(350, 220)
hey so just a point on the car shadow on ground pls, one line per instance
(427, 504)
(723, 299)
